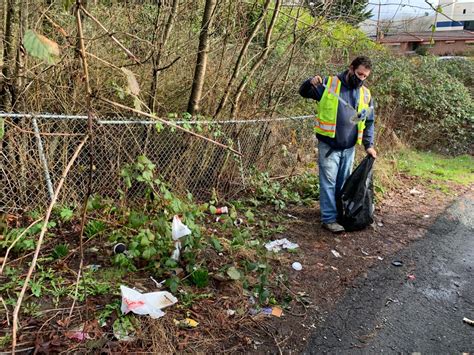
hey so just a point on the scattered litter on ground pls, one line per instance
(78, 334)
(230, 312)
(379, 258)
(397, 263)
(364, 252)
(411, 277)
(380, 224)
(415, 192)
(158, 284)
(297, 266)
(273, 311)
(277, 312)
(186, 323)
(468, 321)
(178, 230)
(279, 244)
(146, 303)
(389, 300)
(119, 248)
(238, 222)
(426, 216)
(222, 210)
(291, 216)
(335, 253)
(93, 267)
(334, 268)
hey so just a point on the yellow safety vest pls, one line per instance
(328, 105)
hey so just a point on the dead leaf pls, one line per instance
(132, 82)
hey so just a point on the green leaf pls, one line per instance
(36, 288)
(159, 126)
(41, 47)
(213, 209)
(2, 127)
(171, 263)
(216, 244)
(66, 214)
(233, 273)
(149, 253)
(172, 283)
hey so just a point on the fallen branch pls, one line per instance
(168, 123)
(6, 310)
(40, 241)
(15, 241)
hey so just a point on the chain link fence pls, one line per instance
(36, 148)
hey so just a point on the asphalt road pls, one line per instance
(390, 312)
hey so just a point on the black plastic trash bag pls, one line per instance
(355, 205)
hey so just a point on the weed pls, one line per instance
(5, 340)
(200, 277)
(31, 309)
(94, 227)
(186, 299)
(124, 327)
(66, 214)
(60, 251)
(107, 312)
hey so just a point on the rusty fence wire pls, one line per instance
(36, 148)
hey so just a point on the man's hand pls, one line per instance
(371, 151)
(316, 80)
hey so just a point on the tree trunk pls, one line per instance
(259, 61)
(242, 54)
(201, 63)
(18, 99)
(10, 47)
(157, 58)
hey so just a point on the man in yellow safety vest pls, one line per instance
(345, 117)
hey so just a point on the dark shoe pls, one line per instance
(333, 227)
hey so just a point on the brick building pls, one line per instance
(454, 42)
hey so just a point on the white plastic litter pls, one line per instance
(146, 303)
(336, 254)
(178, 230)
(297, 266)
(280, 244)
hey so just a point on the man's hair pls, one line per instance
(362, 60)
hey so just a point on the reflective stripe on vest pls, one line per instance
(364, 101)
(327, 109)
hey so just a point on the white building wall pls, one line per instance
(454, 15)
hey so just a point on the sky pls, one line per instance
(400, 8)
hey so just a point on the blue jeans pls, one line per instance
(333, 172)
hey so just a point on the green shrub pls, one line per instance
(428, 106)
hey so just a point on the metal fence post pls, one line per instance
(49, 184)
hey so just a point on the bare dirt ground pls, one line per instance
(403, 217)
